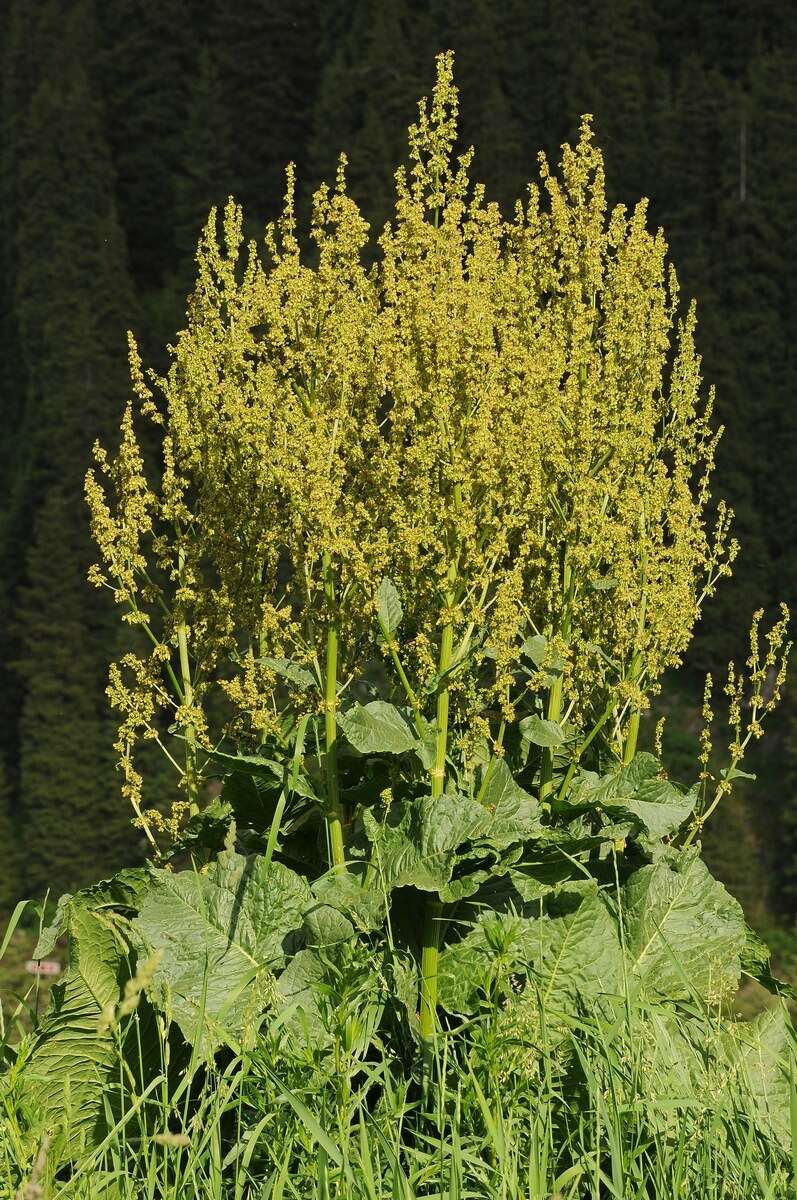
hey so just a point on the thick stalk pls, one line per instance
(632, 733)
(191, 781)
(554, 711)
(432, 916)
(631, 737)
(337, 852)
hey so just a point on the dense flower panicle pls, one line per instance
(503, 416)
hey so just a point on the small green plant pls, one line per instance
(424, 537)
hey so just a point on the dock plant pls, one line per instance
(430, 519)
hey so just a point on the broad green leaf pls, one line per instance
(511, 814)
(536, 648)
(418, 845)
(222, 935)
(72, 1069)
(344, 891)
(541, 732)
(51, 933)
(575, 951)
(122, 892)
(573, 954)
(388, 606)
(731, 773)
(323, 989)
(637, 793)
(684, 933)
(326, 926)
(597, 791)
(298, 989)
(253, 800)
(756, 962)
(759, 1053)
(249, 764)
(291, 671)
(659, 807)
(492, 946)
(206, 830)
(377, 727)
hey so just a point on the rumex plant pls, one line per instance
(422, 540)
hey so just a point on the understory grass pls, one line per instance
(628, 1100)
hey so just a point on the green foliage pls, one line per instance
(221, 935)
(182, 97)
(514, 894)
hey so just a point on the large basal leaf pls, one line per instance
(684, 933)
(572, 955)
(759, 1053)
(122, 892)
(591, 790)
(330, 994)
(377, 727)
(73, 1069)
(467, 967)
(347, 893)
(575, 952)
(222, 935)
(658, 806)
(636, 793)
(417, 846)
(511, 814)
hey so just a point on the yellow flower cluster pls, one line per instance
(503, 415)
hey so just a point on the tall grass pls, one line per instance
(625, 1101)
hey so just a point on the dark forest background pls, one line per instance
(123, 121)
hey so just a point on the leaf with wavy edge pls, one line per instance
(222, 935)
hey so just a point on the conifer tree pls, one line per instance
(9, 848)
(73, 295)
(148, 49)
(368, 88)
(268, 66)
(205, 175)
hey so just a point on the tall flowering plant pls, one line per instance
(423, 539)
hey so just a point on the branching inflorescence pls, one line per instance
(501, 418)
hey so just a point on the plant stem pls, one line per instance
(632, 735)
(554, 711)
(596, 728)
(191, 782)
(433, 912)
(337, 852)
(409, 692)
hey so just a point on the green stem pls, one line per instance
(191, 781)
(432, 917)
(337, 852)
(632, 734)
(409, 692)
(631, 737)
(554, 711)
(593, 733)
(429, 962)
